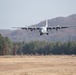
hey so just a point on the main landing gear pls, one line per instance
(42, 33)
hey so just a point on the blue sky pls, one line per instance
(17, 13)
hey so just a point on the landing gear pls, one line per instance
(41, 34)
(47, 33)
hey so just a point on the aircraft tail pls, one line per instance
(46, 23)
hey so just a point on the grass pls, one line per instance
(38, 65)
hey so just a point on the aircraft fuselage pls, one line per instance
(43, 30)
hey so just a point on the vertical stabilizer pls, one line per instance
(46, 23)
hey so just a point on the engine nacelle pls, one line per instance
(56, 28)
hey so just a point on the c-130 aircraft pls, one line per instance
(44, 29)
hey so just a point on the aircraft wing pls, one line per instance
(28, 28)
(57, 27)
(60, 27)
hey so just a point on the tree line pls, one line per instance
(8, 47)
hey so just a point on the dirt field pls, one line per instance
(38, 65)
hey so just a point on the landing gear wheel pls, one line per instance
(47, 33)
(40, 33)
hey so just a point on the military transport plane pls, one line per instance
(43, 30)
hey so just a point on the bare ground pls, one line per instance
(38, 65)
